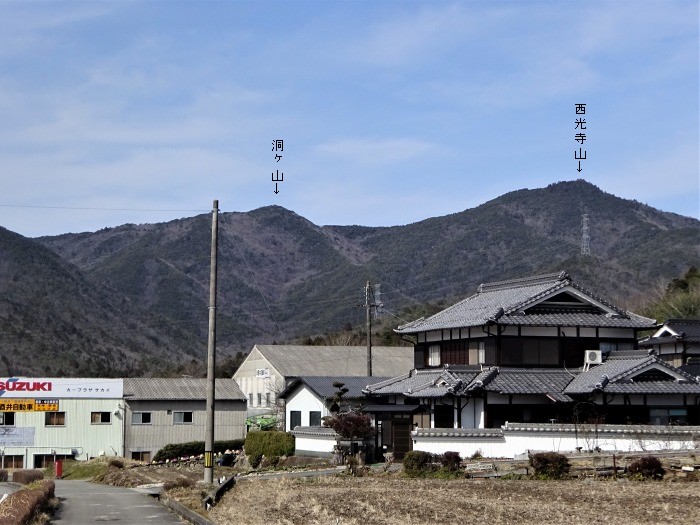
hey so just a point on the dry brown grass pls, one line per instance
(395, 500)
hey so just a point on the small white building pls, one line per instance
(305, 398)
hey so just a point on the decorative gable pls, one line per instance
(569, 300)
(653, 374)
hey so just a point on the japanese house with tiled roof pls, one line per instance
(529, 351)
(677, 341)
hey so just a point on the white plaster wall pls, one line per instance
(318, 444)
(616, 332)
(434, 336)
(514, 443)
(541, 331)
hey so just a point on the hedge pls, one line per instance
(268, 443)
(20, 507)
(25, 477)
(194, 448)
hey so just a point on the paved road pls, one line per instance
(84, 503)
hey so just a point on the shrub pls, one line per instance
(194, 448)
(3, 475)
(116, 463)
(268, 443)
(418, 464)
(550, 465)
(351, 425)
(647, 467)
(25, 477)
(451, 461)
(178, 483)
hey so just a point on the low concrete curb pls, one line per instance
(185, 512)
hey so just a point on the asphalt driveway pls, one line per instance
(85, 503)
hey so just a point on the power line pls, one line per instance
(97, 208)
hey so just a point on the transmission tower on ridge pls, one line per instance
(585, 236)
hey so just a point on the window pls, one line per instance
(141, 418)
(7, 419)
(434, 355)
(13, 461)
(267, 398)
(183, 418)
(444, 416)
(294, 419)
(250, 400)
(314, 419)
(668, 416)
(477, 353)
(141, 456)
(100, 418)
(259, 399)
(610, 346)
(529, 351)
(55, 419)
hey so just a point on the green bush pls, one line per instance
(647, 467)
(451, 461)
(551, 465)
(268, 443)
(25, 477)
(3, 475)
(194, 448)
(418, 464)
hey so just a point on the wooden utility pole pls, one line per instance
(211, 351)
(368, 305)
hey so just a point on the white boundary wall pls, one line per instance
(314, 441)
(516, 438)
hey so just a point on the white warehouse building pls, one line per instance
(46, 419)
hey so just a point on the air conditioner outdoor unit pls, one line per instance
(593, 357)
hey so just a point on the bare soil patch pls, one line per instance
(393, 500)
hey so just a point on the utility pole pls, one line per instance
(368, 305)
(211, 351)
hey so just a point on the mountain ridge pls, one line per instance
(282, 277)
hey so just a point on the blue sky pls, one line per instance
(390, 112)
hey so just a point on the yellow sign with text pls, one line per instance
(28, 405)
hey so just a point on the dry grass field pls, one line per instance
(394, 500)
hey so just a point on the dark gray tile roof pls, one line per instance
(601, 429)
(473, 433)
(616, 375)
(314, 431)
(305, 360)
(190, 388)
(323, 387)
(673, 330)
(441, 382)
(507, 303)
(543, 381)
(425, 383)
